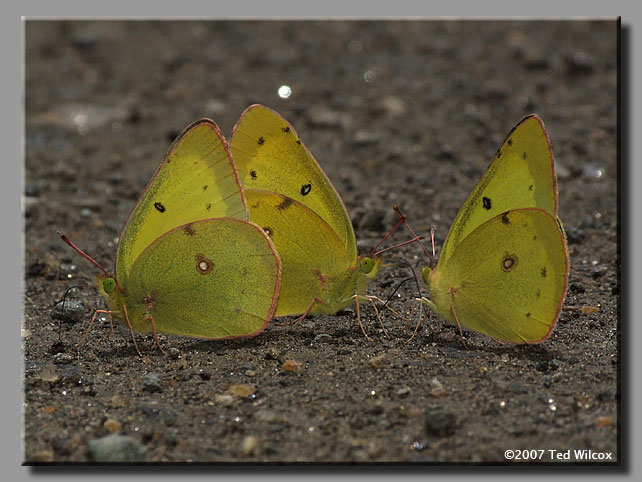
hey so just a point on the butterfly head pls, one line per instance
(369, 266)
(107, 286)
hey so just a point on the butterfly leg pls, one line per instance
(399, 315)
(306, 313)
(419, 322)
(452, 310)
(372, 300)
(91, 323)
(150, 318)
(356, 302)
(131, 330)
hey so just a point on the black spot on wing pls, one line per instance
(524, 156)
(530, 187)
(205, 187)
(510, 142)
(208, 206)
(487, 203)
(286, 203)
(286, 129)
(505, 219)
(543, 272)
(159, 207)
(268, 231)
(298, 141)
(528, 315)
(189, 230)
(261, 141)
(305, 189)
(253, 174)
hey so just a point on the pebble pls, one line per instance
(579, 63)
(116, 178)
(393, 106)
(174, 353)
(32, 189)
(323, 338)
(378, 361)
(67, 271)
(49, 409)
(249, 445)
(241, 390)
(576, 287)
(116, 448)
(224, 400)
(43, 456)
(605, 396)
(364, 138)
(404, 392)
(119, 400)
(574, 235)
(152, 382)
(445, 152)
(265, 415)
(599, 271)
(437, 389)
(603, 422)
(440, 423)
(272, 354)
(112, 425)
(589, 310)
(63, 358)
(536, 61)
(49, 374)
(293, 366)
(68, 312)
(320, 116)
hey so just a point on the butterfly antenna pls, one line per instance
(402, 220)
(417, 238)
(402, 282)
(432, 238)
(64, 299)
(372, 253)
(79, 251)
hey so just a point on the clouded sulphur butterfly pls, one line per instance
(291, 198)
(189, 262)
(503, 268)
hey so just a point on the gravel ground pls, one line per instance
(405, 112)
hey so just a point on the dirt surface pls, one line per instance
(396, 112)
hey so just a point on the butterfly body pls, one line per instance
(291, 198)
(503, 268)
(189, 261)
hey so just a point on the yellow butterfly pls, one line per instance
(290, 196)
(503, 268)
(189, 261)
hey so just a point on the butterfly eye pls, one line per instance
(366, 265)
(109, 285)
